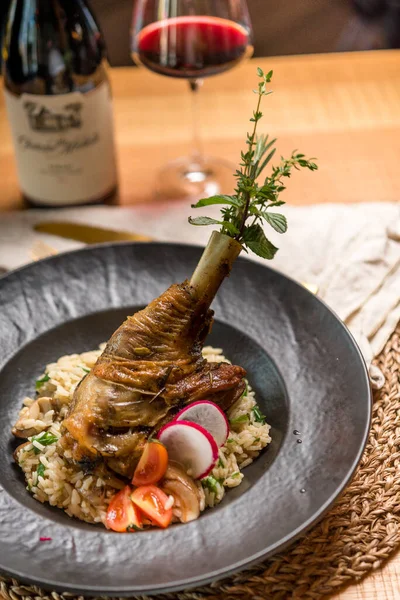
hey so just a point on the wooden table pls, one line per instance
(342, 108)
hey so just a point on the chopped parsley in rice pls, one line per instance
(51, 478)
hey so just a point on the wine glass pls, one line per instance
(192, 39)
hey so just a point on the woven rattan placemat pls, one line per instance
(356, 536)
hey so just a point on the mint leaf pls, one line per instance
(200, 221)
(233, 230)
(220, 199)
(255, 239)
(277, 203)
(277, 221)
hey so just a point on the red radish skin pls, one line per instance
(177, 428)
(217, 427)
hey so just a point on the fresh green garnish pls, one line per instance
(258, 416)
(220, 463)
(133, 528)
(40, 470)
(257, 439)
(46, 439)
(211, 483)
(235, 474)
(85, 369)
(230, 440)
(246, 389)
(29, 487)
(244, 213)
(238, 420)
(41, 381)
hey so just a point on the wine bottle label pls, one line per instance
(64, 145)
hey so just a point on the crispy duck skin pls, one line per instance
(151, 366)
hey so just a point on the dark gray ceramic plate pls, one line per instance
(305, 367)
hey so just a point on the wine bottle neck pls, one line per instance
(53, 47)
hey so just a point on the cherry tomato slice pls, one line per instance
(152, 501)
(152, 464)
(122, 515)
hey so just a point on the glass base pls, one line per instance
(195, 178)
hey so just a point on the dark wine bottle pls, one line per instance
(58, 100)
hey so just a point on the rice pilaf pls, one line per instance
(51, 478)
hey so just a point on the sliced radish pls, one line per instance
(190, 445)
(208, 415)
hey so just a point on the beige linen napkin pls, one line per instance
(351, 252)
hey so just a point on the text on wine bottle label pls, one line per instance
(64, 145)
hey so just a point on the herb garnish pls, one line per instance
(85, 369)
(220, 463)
(46, 439)
(211, 483)
(238, 420)
(40, 470)
(41, 381)
(252, 201)
(235, 474)
(258, 416)
(133, 527)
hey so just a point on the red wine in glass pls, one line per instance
(192, 40)
(192, 47)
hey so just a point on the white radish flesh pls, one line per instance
(208, 415)
(191, 446)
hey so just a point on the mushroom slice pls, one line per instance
(178, 484)
(18, 449)
(30, 418)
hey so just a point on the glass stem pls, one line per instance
(198, 152)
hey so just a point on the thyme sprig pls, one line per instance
(245, 212)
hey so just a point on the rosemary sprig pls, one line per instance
(244, 213)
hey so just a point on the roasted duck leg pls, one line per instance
(150, 368)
